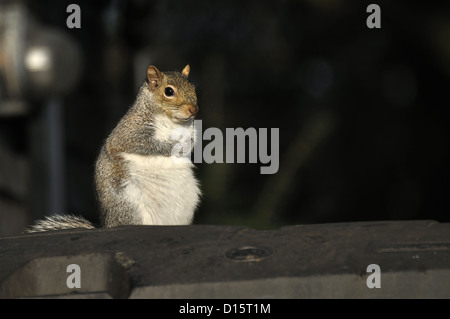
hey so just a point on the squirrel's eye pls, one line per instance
(168, 91)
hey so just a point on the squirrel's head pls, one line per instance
(174, 92)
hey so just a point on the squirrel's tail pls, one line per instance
(59, 222)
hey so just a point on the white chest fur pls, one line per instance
(167, 130)
(161, 190)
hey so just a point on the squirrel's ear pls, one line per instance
(154, 76)
(186, 70)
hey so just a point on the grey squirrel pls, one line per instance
(138, 181)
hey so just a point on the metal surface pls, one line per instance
(310, 261)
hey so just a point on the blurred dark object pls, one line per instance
(38, 66)
(37, 61)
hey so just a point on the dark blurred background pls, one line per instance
(363, 113)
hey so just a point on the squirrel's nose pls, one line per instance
(193, 110)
